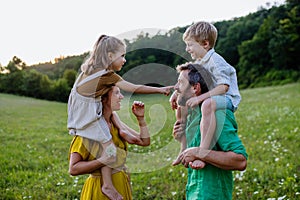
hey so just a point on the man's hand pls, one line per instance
(191, 154)
(173, 101)
(178, 130)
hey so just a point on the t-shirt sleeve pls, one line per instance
(99, 86)
(109, 78)
(226, 133)
(106, 81)
(77, 146)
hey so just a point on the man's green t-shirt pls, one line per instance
(212, 183)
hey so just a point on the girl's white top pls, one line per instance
(85, 113)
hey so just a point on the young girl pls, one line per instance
(85, 117)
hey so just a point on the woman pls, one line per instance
(84, 152)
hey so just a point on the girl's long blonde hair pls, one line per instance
(98, 58)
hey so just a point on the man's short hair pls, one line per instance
(197, 74)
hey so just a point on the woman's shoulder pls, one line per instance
(87, 148)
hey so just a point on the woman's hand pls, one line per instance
(138, 109)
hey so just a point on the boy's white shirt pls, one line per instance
(222, 73)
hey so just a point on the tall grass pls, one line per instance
(35, 143)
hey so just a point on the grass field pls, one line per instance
(35, 143)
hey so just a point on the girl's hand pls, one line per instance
(166, 90)
(138, 109)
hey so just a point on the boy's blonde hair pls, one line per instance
(201, 31)
(98, 58)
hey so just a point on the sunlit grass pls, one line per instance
(35, 143)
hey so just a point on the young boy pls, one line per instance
(200, 39)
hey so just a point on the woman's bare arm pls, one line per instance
(77, 166)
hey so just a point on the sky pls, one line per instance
(38, 31)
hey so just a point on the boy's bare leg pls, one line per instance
(207, 128)
(181, 115)
(108, 188)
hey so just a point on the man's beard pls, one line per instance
(181, 100)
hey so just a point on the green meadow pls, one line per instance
(35, 144)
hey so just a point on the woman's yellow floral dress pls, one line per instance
(89, 150)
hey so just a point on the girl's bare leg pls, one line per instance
(108, 188)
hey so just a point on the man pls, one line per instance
(215, 180)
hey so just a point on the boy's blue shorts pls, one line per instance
(223, 102)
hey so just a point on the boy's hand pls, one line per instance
(193, 102)
(173, 101)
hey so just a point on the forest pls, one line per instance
(263, 46)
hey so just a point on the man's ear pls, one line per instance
(197, 89)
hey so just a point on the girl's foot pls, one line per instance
(111, 193)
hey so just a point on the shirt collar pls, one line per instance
(206, 57)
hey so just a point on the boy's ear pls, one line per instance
(206, 44)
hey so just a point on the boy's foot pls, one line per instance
(111, 193)
(197, 164)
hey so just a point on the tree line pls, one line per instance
(264, 47)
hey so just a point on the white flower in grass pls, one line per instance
(173, 193)
(276, 159)
(280, 198)
(256, 192)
